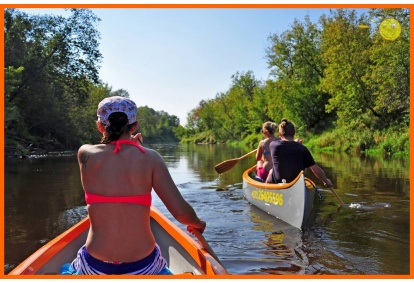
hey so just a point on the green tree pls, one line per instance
(345, 49)
(120, 92)
(84, 116)
(59, 58)
(157, 126)
(13, 122)
(295, 61)
(388, 76)
(332, 78)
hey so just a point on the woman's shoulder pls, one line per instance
(265, 141)
(152, 153)
(273, 140)
(91, 148)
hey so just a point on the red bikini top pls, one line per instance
(137, 199)
(118, 143)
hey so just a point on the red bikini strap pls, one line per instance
(119, 142)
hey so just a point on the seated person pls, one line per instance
(263, 157)
(118, 176)
(290, 157)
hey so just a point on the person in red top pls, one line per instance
(118, 176)
(263, 157)
(290, 157)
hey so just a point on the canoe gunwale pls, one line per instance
(38, 259)
(268, 186)
(202, 257)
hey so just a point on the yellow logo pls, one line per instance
(270, 197)
(390, 29)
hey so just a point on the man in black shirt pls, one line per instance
(290, 157)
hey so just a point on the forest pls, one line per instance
(52, 86)
(344, 85)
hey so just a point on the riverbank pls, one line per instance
(375, 143)
(386, 143)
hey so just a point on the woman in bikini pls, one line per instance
(263, 157)
(118, 176)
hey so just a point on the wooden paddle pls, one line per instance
(206, 246)
(228, 164)
(339, 199)
(332, 189)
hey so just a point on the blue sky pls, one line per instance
(171, 59)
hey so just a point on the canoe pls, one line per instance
(291, 202)
(183, 254)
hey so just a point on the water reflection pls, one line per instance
(284, 243)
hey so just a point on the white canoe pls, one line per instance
(184, 255)
(291, 202)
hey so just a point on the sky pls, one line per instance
(171, 59)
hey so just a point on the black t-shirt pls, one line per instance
(289, 158)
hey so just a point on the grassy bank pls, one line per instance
(386, 143)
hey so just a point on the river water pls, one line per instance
(369, 235)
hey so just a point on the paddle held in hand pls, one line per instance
(206, 246)
(339, 199)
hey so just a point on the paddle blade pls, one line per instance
(226, 165)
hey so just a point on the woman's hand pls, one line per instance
(138, 138)
(200, 228)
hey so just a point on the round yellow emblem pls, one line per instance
(390, 29)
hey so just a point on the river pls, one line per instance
(369, 235)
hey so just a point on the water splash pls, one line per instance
(355, 205)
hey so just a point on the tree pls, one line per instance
(388, 76)
(120, 92)
(53, 48)
(157, 126)
(59, 60)
(295, 61)
(345, 49)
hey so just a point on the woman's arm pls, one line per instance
(259, 152)
(169, 194)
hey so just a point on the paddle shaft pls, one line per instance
(206, 246)
(332, 189)
(247, 154)
(339, 199)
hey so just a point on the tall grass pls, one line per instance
(387, 142)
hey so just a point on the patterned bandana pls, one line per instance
(114, 104)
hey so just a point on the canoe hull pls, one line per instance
(292, 202)
(183, 254)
